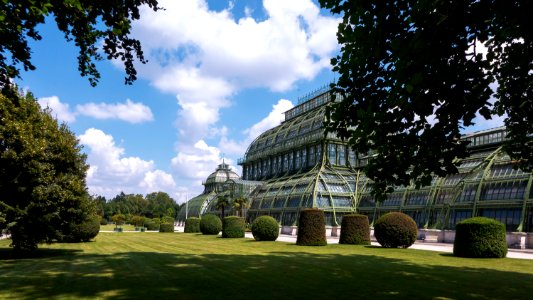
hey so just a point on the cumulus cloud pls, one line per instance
(197, 162)
(130, 111)
(111, 171)
(274, 118)
(205, 57)
(59, 110)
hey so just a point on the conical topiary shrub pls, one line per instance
(355, 230)
(311, 228)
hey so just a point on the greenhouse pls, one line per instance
(302, 167)
(296, 165)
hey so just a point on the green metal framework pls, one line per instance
(302, 167)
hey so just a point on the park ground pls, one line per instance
(135, 265)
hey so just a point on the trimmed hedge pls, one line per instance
(233, 227)
(166, 227)
(210, 224)
(311, 228)
(103, 221)
(265, 228)
(395, 230)
(192, 225)
(355, 230)
(480, 237)
(152, 224)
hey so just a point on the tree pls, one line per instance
(222, 203)
(413, 75)
(42, 175)
(88, 23)
(118, 219)
(241, 203)
(159, 204)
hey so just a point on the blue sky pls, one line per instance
(219, 74)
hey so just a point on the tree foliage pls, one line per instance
(90, 24)
(241, 203)
(413, 75)
(42, 175)
(222, 203)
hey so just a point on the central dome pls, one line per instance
(216, 180)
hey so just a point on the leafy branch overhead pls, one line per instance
(413, 74)
(87, 23)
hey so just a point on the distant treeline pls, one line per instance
(153, 205)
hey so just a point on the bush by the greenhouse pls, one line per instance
(265, 228)
(355, 230)
(311, 228)
(167, 219)
(192, 225)
(210, 224)
(152, 224)
(395, 230)
(480, 237)
(233, 227)
(103, 221)
(166, 227)
(83, 232)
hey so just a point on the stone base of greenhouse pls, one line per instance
(515, 240)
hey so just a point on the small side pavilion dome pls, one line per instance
(215, 181)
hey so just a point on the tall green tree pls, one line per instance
(161, 204)
(42, 175)
(222, 203)
(413, 75)
(98, 28)
(241, 203)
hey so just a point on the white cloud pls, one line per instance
(111, 171)
(130, 111)
(196, 162)
(274, 118)
(205, 57)
(59, 110)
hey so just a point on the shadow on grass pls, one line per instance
(277, 275)
(9, 254)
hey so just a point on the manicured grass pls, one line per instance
(110, 227)
(194, 266)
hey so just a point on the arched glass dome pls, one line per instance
(215, 181)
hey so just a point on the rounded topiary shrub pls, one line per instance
(355, 230)
(192, 225)
(311, 228)
(103, 221)
(265, 228)
(210, 224)
(395, 230)
(166, 227)
(480, 237)
(233, 227)
(84, 231)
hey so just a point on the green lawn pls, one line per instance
(110, 227)
(192, 266)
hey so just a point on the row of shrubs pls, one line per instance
(264, 228)
(475, 237)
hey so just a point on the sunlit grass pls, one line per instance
(193, 266)
(111, 227)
